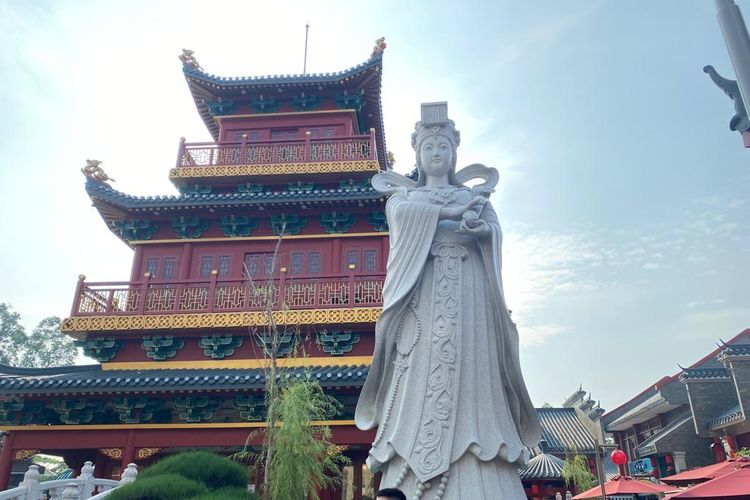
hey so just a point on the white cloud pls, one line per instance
(536, 335)
(714, 323)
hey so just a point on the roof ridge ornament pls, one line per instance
(379, 47)
(188, 60)
(92, 170)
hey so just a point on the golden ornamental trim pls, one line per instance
(219, 320)
(113, 453)
(246, 364)
(285, 237)
(210, 425)
(274, 169)
(144, 453)
(24, 454)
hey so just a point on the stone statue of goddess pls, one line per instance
(445, 387)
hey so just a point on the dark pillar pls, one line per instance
(357, 462)
(128, 453)
(100, 466)
(6, 460)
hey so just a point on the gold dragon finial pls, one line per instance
(94, 171)
(390, 158)
(379, 46)
(188, 59)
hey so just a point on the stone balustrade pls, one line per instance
(82, 487)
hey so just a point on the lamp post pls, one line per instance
(618, 457)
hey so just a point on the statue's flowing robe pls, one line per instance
(445, 386)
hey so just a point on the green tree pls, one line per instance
(576, 472)
(297, 458)
(12, 335)
(304, 459)
(48, 346)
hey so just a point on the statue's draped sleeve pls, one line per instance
(521, 408)
(412, 227)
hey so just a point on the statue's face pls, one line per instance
(436, 156)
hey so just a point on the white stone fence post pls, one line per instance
(80, 488)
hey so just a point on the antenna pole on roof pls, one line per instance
(304, 64)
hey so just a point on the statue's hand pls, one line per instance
(458, 212)
(472, 224)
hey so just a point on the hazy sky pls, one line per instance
(623, 198)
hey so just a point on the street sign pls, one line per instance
(641, 467)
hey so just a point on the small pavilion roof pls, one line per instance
(366, 76)
(704, 373)
(542, 466)
(562, 431)
(728, 417)
(734, 350)
(92, 379)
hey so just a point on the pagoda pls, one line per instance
(277, 210)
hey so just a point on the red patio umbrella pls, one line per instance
(708, 472)
(734, 485)
(625, 485)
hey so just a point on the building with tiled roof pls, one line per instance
(720, 396)
(276, 216)
(692, 418)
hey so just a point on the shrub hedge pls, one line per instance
(227, 494)
(161, 487)
(213, 471)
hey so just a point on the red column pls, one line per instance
(336, 264)
(128, 454)
(77, 297)
(135, 271)
(6, 460)
(185, 258)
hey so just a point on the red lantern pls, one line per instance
(618, 457)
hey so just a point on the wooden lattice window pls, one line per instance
(152, 265)
(225, 265)
(207, 264)
(297, 262)
(352, 257)
(314, 262)
(371, 260)
(167, 270)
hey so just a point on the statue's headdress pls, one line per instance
(434, 123)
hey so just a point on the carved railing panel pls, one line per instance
(208, 154)
(200, 296)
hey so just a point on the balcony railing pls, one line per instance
(208, 296)
(207, 154)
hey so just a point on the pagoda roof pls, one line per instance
(116, 205)
(92, 379)
(366, 76)
(100, 191)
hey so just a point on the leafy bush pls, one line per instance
(161, 487)
(213, 471)
(232, 493)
